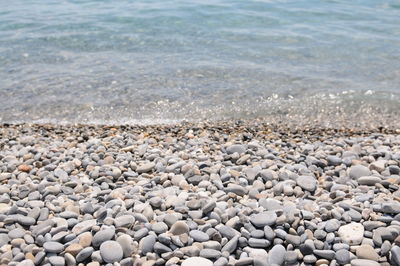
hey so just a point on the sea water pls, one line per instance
(169, 60)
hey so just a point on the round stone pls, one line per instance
(307, 183)
(352, 233)
(178, 228)
(53, 247)
(197, 261)
(260, 220)
(111, 251)
(199, 236)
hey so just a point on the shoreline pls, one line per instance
(207, 193)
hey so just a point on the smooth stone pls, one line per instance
(145, 168)
(291, 257)
(332, 225)
(221, 262)
(84, 254)
(103, 236)
(83, 226)
(231, 245)
(325, 254)
(16, 233)
(25, 263)
(342, 256)
(74, 249)
(352, 233)
(4, 239)
(362, 262)
(367, 252)
(307, 183)
(395, 254)
(358, 171)
(161, 248)
(159, 227)
(369, 180)
(263, 219)
(111, 251)
(210, 253)
(277, 255)
(197, 261)
(235, 148)
(179, 227)
(127, 244)
(57, 261)
(124, 221)
(237, 189)
(146, 244)
(199, 236)
(53, 247)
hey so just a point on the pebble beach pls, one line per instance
(226, 193)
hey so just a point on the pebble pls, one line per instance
(263, 219)
(352, 233)
(197, 195)
(197, 261)
(111, 251)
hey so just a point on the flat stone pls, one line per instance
(84, 254)
(178, 228)
(161, 248)
(231, 245)
(197, 261)
(367, 252)
(352, 233)
(124, 221)
(199, 236)
(16, 233)
(57, 261)
(362, 262)
(235, 148)
(342, 256)
(127, 244)
(263, 219)
(237, 189)
(145, 168)
(4, 239)
(307, 183)
(26, 263)
(83, 226)
(291, 257)
(332, 225)
(210, 253)
(159, 227)
(146, 244)
(102, 236)
(73, 249)
(276, 255)
(358, 171)
(395, 255)
(369, 180)
(53, 247)
(111, 251)
(325, 254)
(85, 239)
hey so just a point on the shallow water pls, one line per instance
(131, 61)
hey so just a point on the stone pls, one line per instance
(263, 219)
(124, 221)
(358, 171)
(16, 233)
(342, 256)
(276, 255)
(362, 262)
(57, 261)
(210, 253)
(352, 233)
(111, 251)
(159, 227)
(73, 249)
(325, 254)
(369, 180)
(85, 239)
(145, 168)
(199, 236)
(367, 252)
(307, 183)
(127, 244)
(146, 244)
(84, 254)
(395, 255)
(53, 247)
(197, 261)
(102, 236)
(83, 226)
(236, 148)
(178, 228)
(332, 225)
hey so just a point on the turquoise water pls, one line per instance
(129, 60)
